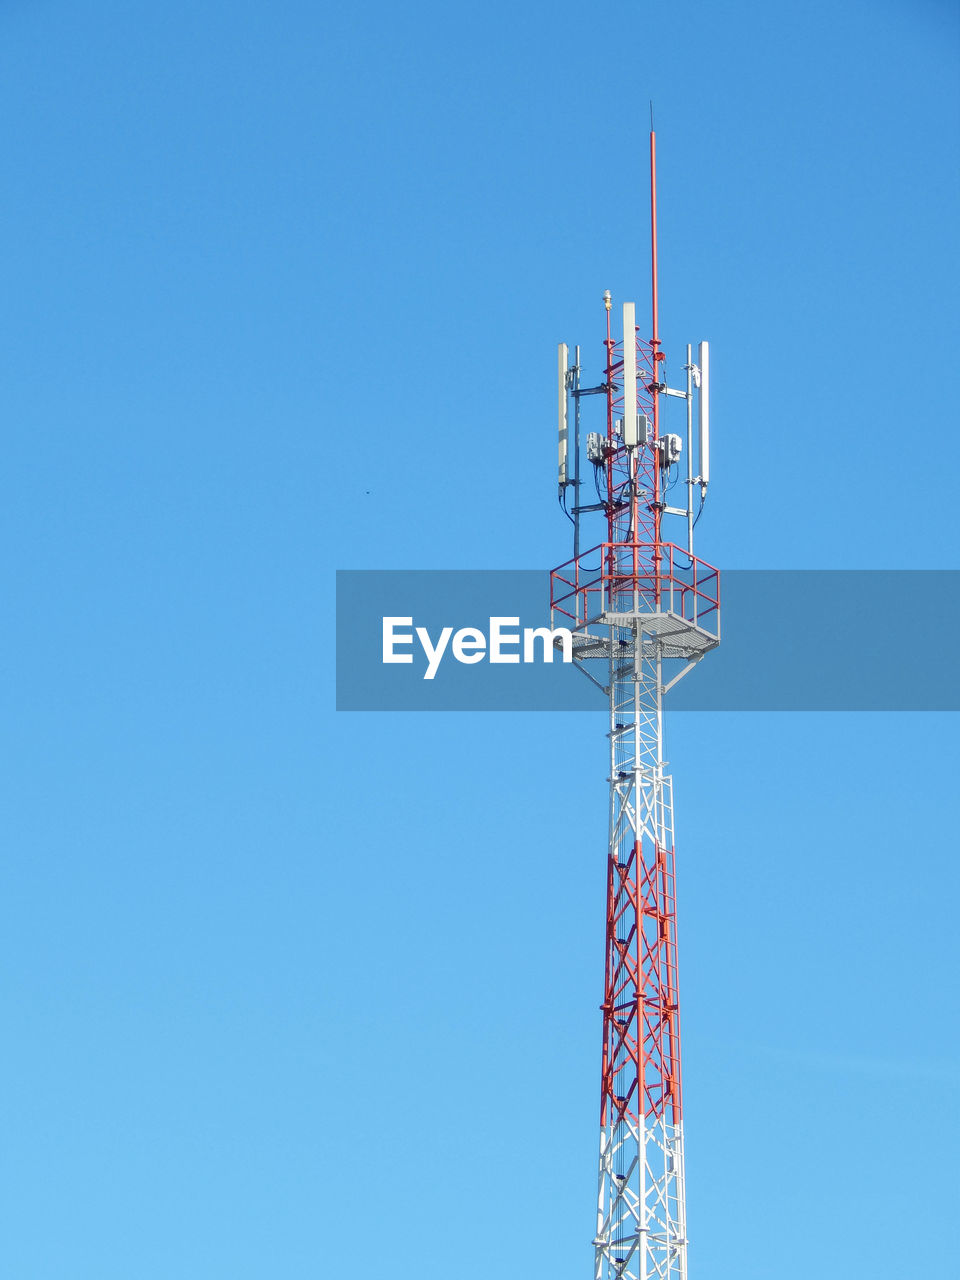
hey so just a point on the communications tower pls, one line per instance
(642, 612)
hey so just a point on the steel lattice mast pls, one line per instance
(642, 612)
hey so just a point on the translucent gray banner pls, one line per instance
(793, 640)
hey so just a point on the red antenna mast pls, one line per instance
(642, 612)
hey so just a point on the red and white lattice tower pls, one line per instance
(643, 612)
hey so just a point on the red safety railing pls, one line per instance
(629, 577)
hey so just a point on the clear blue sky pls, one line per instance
(292, 995)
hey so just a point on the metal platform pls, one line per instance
(676, 637)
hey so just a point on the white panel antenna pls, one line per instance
(630, 375)
(703, 359)
(562, 381)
